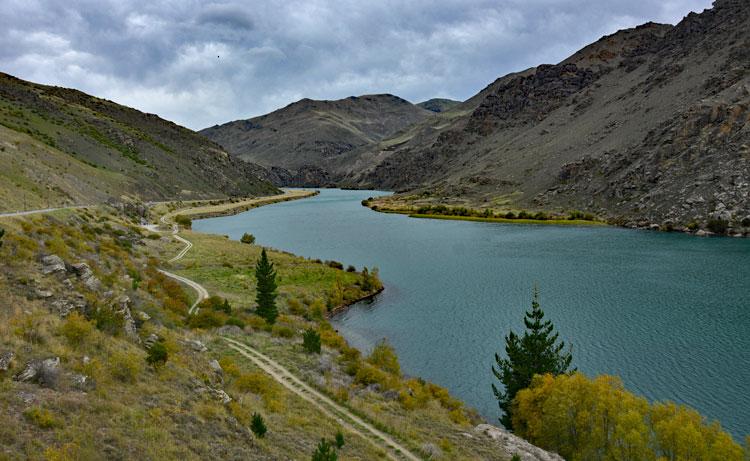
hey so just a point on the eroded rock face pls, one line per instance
(123, 308)
(84, 272)
(52, 264)
(515, 445)
(43, 372)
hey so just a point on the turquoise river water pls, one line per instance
(668, 313)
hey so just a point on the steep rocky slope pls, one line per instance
(307, 140)
(60, 146)
(649, 124)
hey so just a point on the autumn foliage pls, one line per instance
(597, 419)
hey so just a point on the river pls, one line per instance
(668, 313)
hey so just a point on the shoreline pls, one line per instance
(213, 211)
(341, 308)
(543, 222)
(233, 208)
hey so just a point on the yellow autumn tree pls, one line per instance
(597, 419)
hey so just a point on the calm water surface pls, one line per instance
(668, 313)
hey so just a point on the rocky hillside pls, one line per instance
(645, 126)
(59, 146)
(309, 141)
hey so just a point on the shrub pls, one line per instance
(295, 307)
(216, 303)
(183, 221)
(157, 354)
(324, 452)
(258, 426)
(510, 215)
(384, 357)
(550, 412)
(247, 238)
(311, 341)
(124, 366)
(370, 280)
(282, 331)
(42, 418)
(339, 439)
(108, 321)
(523, 214)
(745, 223)
(693, 225)
(76, 329)
(207, 318)
(236, 321)
(351, 269)
(335, 265)
(718, 226)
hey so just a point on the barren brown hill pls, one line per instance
(308, 139)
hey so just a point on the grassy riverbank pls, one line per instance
(130, 409)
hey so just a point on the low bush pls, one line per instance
(718, 226)
(311, 341)
(183, 221)
(247, 238)
(76, 329)
(42, 418)
(339, 440)
(108, 321)
(236, 321)
(207, 318)
(384, 357)
(282, 331)
(157, 354)
(335, 265)
(125, 366)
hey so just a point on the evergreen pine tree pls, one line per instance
(258, 426)
(266, 295)
(536, 352)
(324, 452)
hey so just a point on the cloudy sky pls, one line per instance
(199, 62)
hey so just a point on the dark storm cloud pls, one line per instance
(200, 63)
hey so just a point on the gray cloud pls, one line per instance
(200, 63)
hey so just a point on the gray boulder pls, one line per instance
(84, 272)
(52, 264)
(43, 372)
(82, 383)
(6, 359)
(432, 451)
(196, 345)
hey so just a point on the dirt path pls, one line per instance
(342, 415)
(45, 210)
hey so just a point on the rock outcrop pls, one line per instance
(515, 445)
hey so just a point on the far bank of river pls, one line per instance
(669, 313)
